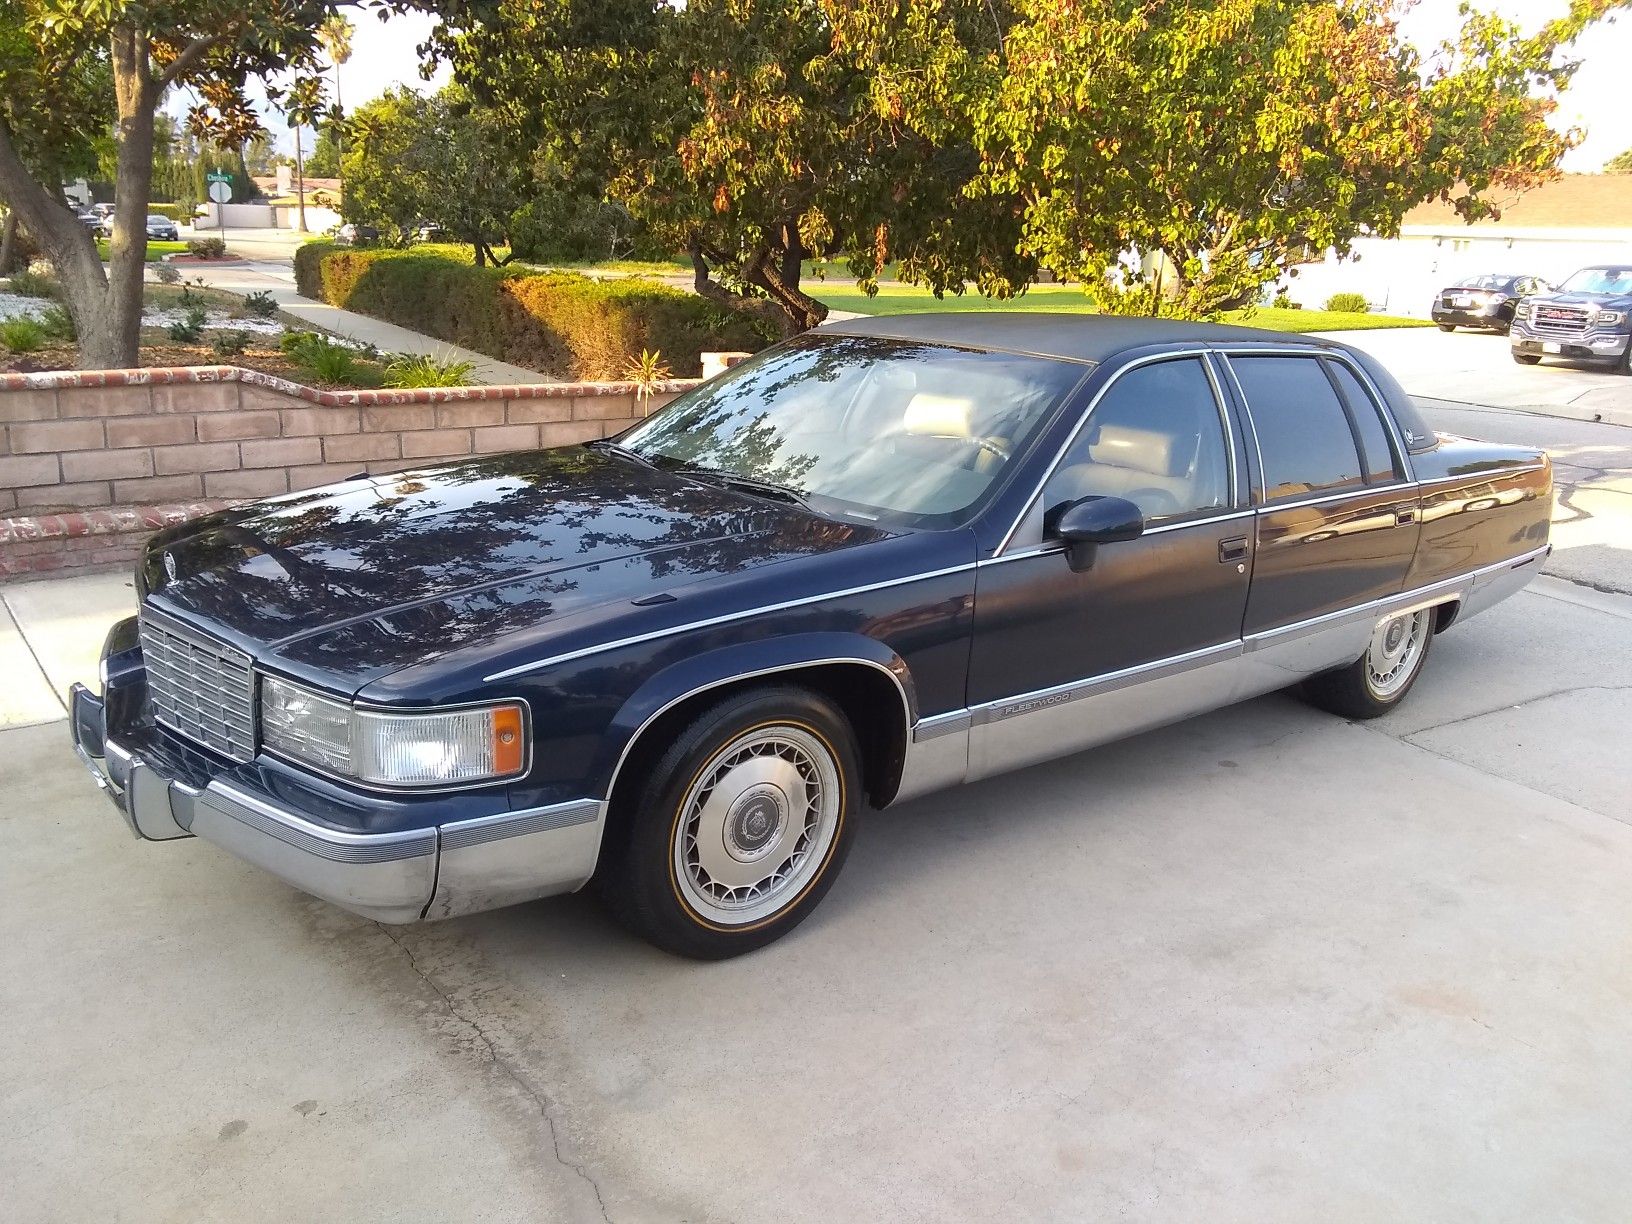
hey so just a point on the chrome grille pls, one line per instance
(1558, 321)
(200, 688)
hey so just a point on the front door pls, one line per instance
(1064, 660)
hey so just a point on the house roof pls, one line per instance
(1575, 201)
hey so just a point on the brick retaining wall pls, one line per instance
(161, 445)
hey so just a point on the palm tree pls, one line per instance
(335, 35)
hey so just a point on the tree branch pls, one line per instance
(189, 59)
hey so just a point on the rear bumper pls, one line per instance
(439, 871)
(1468, 317)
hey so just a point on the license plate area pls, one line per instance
(1551, 346)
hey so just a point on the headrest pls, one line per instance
(937, 416)
(1143, 450)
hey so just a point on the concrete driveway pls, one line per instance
(1266, 965)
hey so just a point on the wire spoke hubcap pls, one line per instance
(756, 825)
(1396, 646)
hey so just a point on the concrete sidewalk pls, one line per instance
(278, 279)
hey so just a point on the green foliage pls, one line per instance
(748, 136)
(1283, 301)
(561, 225)
(207, 248)
(58, 324)
(22, 334)
(261, 305)
(29, 283)
(179, 213)
(324, 159)
(426, 370)
(1352, 303)
(443, 158)
(229, 343)
(168, 274)
(559, 323)
(1222, 142)
(189, 329)
(322, 358)
(646, 372)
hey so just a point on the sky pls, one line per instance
(383, 55)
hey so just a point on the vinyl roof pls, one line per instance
(1078, 337)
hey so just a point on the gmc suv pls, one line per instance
(1588, 318)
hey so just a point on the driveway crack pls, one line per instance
(1411, 737)
(505, 1066)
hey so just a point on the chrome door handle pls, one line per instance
(1404, 518)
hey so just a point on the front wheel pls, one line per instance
(1447, 327)
(1527, 358)
(1379, 680)
(740, 827)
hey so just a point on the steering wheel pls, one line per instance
(991, 446)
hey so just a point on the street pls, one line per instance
(1265, 965)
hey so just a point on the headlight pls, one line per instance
(1522, 309)
(420, 748)
(1610, 317)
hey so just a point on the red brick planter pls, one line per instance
(92, 462)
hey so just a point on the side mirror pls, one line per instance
(1087, 523)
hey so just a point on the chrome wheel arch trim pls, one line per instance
(908, 719)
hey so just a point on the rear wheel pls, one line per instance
(1527, 358)
(1379, 680)
(1447, 327)
(1624, 365)
(740, 828)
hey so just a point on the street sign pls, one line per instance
(220, 190)
(218, 176)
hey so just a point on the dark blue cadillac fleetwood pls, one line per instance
(881, 559)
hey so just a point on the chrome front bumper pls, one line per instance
(1584, 346)
(441, 871)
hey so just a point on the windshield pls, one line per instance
(915, 433)
(1489, 281)
(1600, 280)
(155, 219)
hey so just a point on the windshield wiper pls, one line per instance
(623, 452)
(747, 484)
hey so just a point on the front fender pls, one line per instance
(765, 657)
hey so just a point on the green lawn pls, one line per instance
(155, 250)
(895, 299)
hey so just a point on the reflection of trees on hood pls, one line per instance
(466, 546)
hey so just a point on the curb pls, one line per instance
(73, 524)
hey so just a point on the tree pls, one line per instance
(335, 35)
(52, 47)
(324, 159)
(1621, 163)
(1178, 157)
(743, 135)
(442, 158)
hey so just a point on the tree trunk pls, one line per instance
(300, 184)
(788, 310)
(8, 245)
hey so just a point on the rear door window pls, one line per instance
(1368, 423)
(1304, 438)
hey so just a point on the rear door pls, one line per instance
(1336, 521)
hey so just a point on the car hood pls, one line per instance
(350, 582)
(1611, 301)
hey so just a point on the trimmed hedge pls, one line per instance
(176, 212)
(561, 324)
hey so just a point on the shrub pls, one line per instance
(189, 329)
(229, 343)
(646, 371)
(1283, 301)
(560, 323)
(207, 248)
(322, 358)
(58, 324)
(22, 334)
(426, 370)
(262, 305)
(176, 212)
(1351, 303)
(167, 274)
(35, 284)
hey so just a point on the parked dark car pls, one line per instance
(1588, 318)
(875, 561)
(356, 235)
(161, 229)
(1483, 301)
